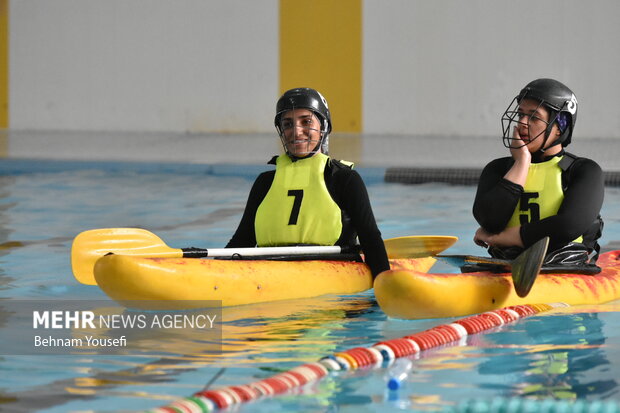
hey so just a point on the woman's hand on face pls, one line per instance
(520, 152)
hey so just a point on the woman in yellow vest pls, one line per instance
(310, 199)
(541, 190)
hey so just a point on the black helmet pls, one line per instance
(306, 98)
(553, 95)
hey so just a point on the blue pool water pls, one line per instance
(565, 354)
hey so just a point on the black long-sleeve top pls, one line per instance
(497, 198)
(347, 189)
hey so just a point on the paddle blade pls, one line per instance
(461, 260)
(526, 266)
(91, 245)
(417, 246)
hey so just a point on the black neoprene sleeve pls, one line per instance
(244, 236)
(496, 197)
(351, 195)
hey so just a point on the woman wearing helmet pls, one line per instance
(540, 190)
(310, 199)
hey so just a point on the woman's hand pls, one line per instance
(518, 149)
(509, 237)
(481, 236)
(523, 159)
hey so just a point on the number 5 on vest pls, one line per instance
(532, 207)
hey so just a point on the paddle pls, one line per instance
(524, 268)
(473, 263)
(90, 245)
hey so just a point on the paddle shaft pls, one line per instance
(91, 245)
(259, 252)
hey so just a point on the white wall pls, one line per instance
(452, 67)
(444, 67)
(146, 65)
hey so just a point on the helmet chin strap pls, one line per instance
(542, 147)
(559, 139)
(548, 131)
(315, 150)
(539, 155)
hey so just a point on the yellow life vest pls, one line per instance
(298, 208)
(542, 194)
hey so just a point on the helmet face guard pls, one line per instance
(312, 100)
(554, 96)
(298, 129)
(513, 116)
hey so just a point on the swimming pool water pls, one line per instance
(565, 354)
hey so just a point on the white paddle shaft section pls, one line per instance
(262, 251)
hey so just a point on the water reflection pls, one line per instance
(6, 205)
(556, 356)
(567, 355)
(256, 341)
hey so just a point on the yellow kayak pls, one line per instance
(234, 282)
(414, 294)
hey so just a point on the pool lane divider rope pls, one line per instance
(380, 354)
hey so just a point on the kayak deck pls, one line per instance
(234, 282)
(410, 294)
